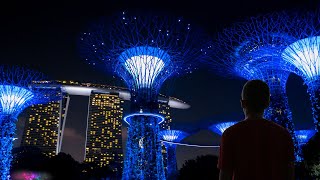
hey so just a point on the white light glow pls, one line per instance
(224, 126)
(144, 69)
(13, 98)
(221, 127)
(178, 104)
(141, 142)
(304, 55)
(77, 90)
(160, 118)
(170, 137)
(173, 135)
(303, 136)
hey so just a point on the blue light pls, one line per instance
(143, 151)
(190, 145)
(303, 136)
(14, 99)
(7, 129)
(144, 64)
(143, 51)
(128, 118)
(17, 93)
(221, 127)
(253, 50)
(173, 136)
(304, 55)
(304, 58)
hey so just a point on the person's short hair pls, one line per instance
(257, 95)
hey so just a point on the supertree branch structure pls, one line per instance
(172, 136)
(303, 55)
(16, 93)
(252, 50)
(303, 136)
(219, 128)
(143, 51)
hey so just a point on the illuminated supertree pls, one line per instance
(172, 136)
(144, 51)
(303, 136)
(221, 127)
(304, 57)
(16, 94)
(252, 50)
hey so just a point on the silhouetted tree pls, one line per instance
(203, 167)
(63, 166)
(28, 158)
(95, 172)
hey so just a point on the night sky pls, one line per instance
(43, 36)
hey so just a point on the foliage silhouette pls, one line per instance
(203, 167)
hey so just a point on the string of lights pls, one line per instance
(171, 163)
(303, 57)
(303, 136)
(143, 51)
(252, 50)
(191, 145)
(16, 94)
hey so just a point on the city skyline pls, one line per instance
(51, 38)
(105, 107)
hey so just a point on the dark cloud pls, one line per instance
(73, 143)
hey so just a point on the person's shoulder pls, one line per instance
(277, 128)
(233, 128)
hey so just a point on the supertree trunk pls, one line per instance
(314, 92)
(143, 159)
(7, 129)
(280, 113)
(144, 51)
(172, 168)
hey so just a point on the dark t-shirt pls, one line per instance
(256, 150)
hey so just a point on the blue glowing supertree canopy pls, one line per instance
(253, 50)
(16, 93)
(248, 48)
(143, 50)
(303, 53)
(303, 136)
(171, 136)
(303, 56)
(221, 127)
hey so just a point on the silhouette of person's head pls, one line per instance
(255, 96)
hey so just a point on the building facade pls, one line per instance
(42, 127)
(104, 136)
(164, 110)
(103, 147)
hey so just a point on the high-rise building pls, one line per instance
(164, 110)
(42, 125)
(46, 123)
(104, 137)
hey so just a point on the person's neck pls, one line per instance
(253, 116)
